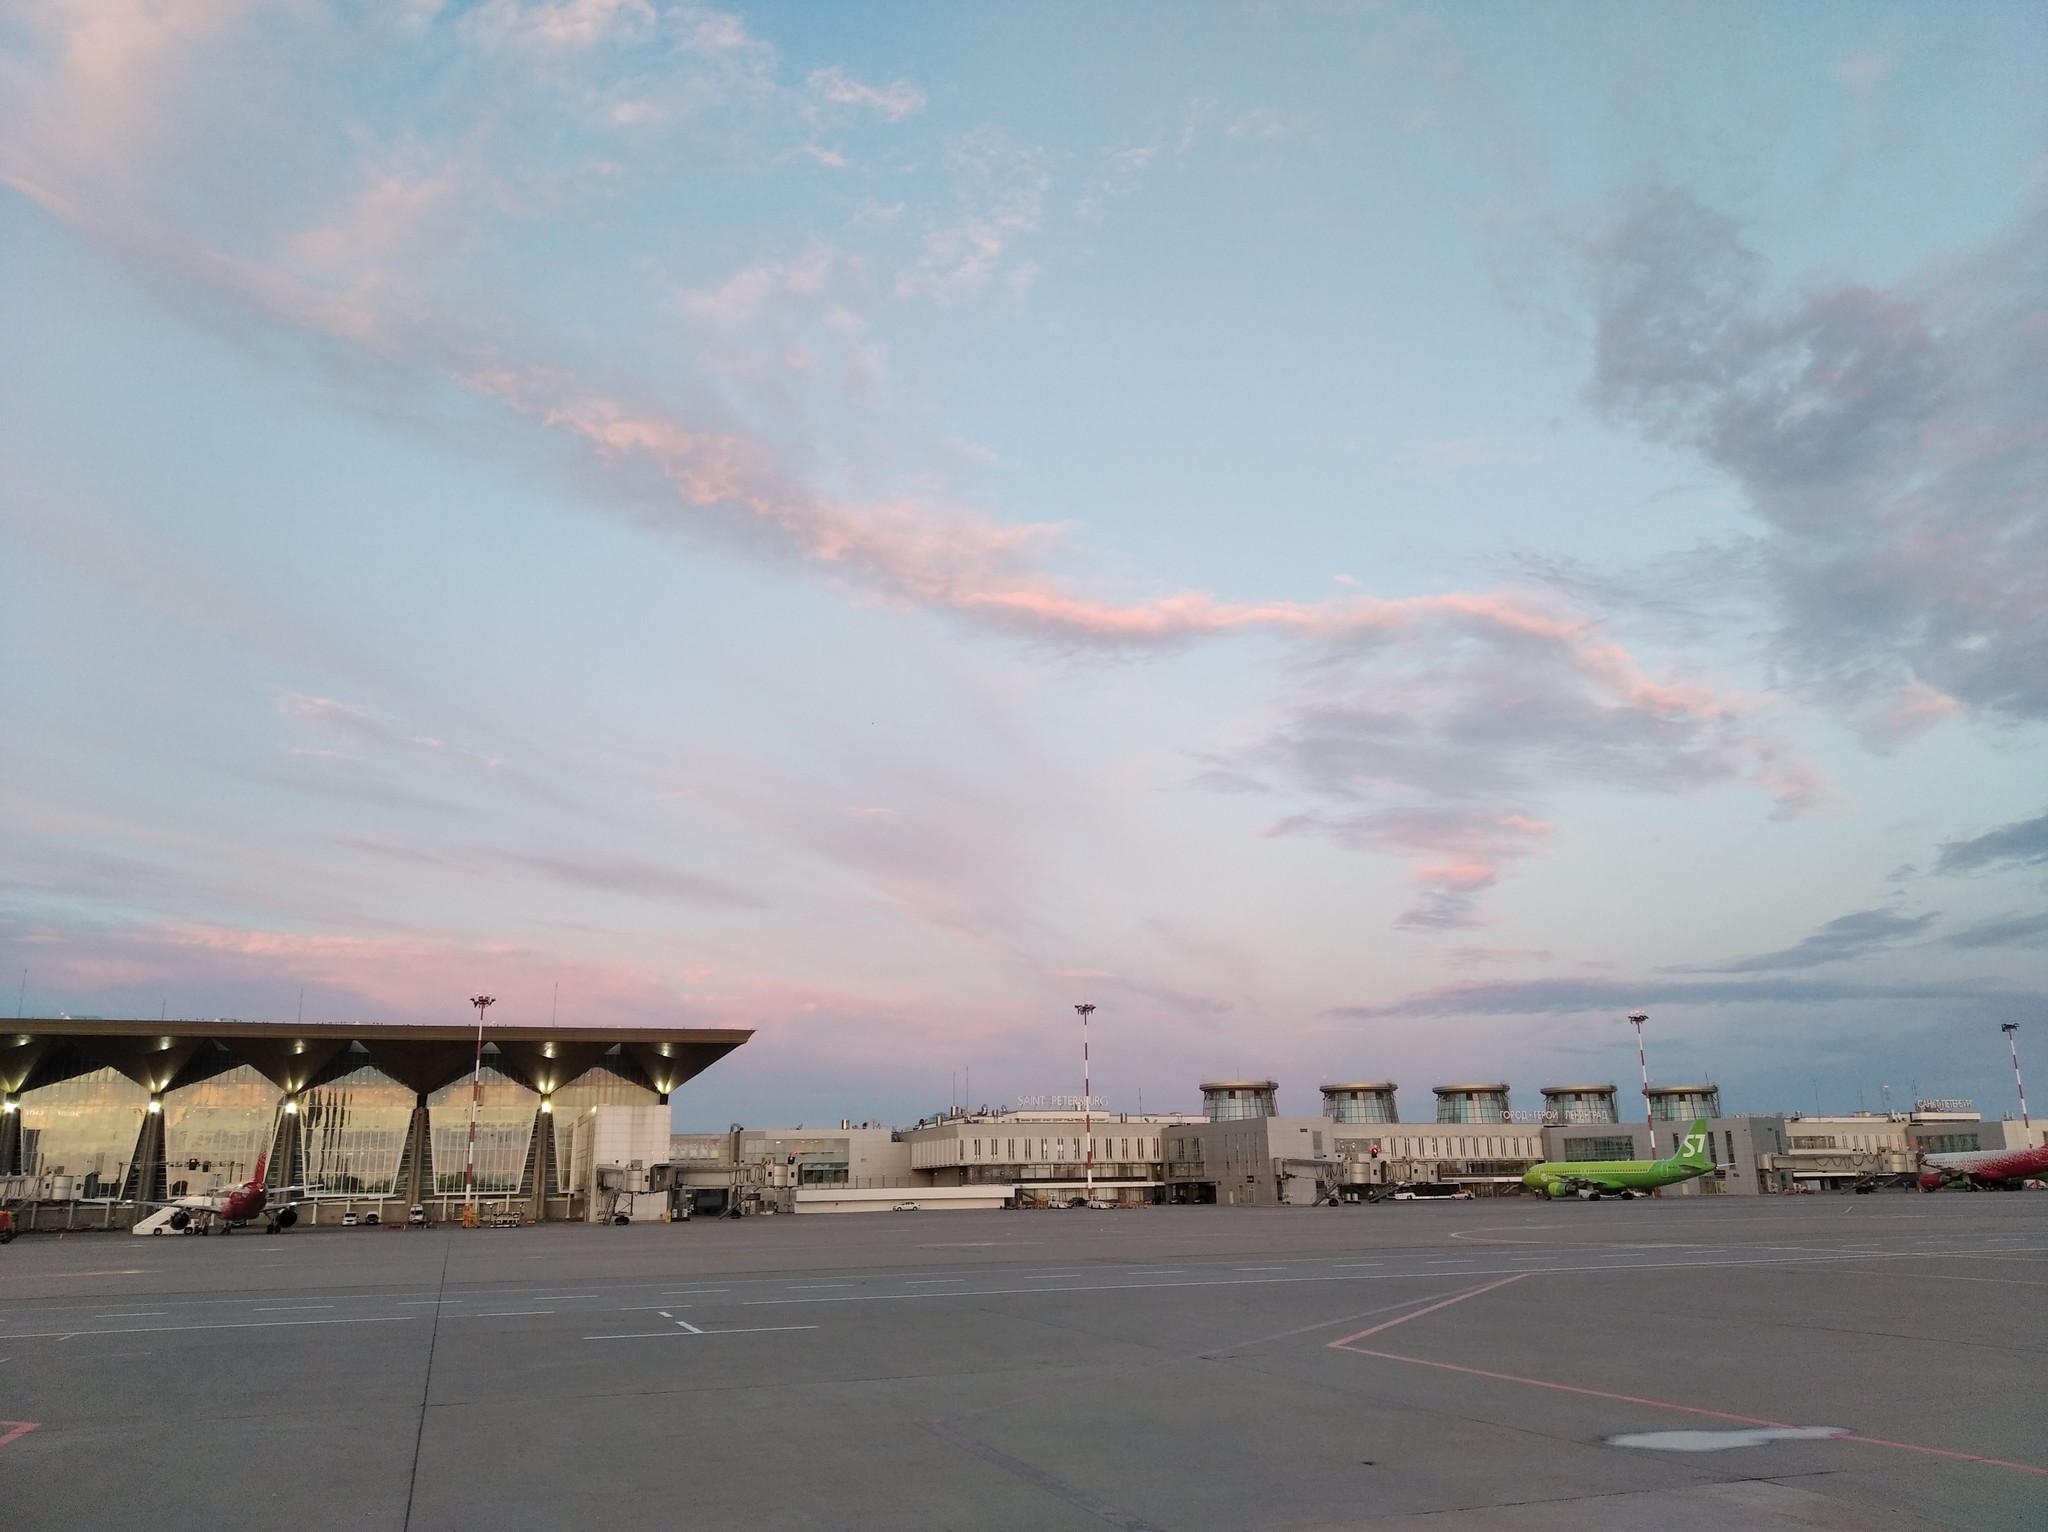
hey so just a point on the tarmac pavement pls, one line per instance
(1876, 1363)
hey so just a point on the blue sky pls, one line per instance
(1367, 541)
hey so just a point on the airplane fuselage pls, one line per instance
(1595, 1178)
(1983, 1167)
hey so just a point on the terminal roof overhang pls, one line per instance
(165, 1055)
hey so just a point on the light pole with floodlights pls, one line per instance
(1087, 1105)
(1636, 1020)
(476, 1096)
(2011, 1029)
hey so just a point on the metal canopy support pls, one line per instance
(289, 1063)
(545, 1067)
(144, 1181)
(418, 1167)
(543, 1160)
(154, 1063)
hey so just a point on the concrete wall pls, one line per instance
(1242, 1158)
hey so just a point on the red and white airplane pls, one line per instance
(228, 1210)
(1974, 1168)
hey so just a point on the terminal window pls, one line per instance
(1616, 1148)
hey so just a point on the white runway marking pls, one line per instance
(249, 1324)
(507, 1313)
(670, 1334)
(292, 1308)
(1721, 1441)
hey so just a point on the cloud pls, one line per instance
(1570, 996)
(1433, 728)
(1890, 439)
(1000, 188)
(2021, 931)
(558, 26)
(1262, 125)
(1847, 936)
(1436, 729)
(2023, 843)
(892, 102)
(1115, 178)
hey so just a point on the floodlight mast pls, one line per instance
(1636, 1020)
(1087, 1105)
(2011, 1029)
(476, 1090)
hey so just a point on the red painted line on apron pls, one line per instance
(1693, 1409)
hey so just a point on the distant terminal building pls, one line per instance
(1826, 1152)
(1579, 1105)
(1020, 1157)
(1042, 1154)
(356, 1113)
(1369, 1103)
(1234, 1100)
(1472, 1103)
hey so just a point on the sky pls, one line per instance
(1365, 541)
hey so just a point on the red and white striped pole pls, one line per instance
(1636, 1019)
(1087, 1105)
(476, 1096)
(2011, 1029)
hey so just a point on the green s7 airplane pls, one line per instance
(1594, 1179)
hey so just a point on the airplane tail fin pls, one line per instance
(262, 1164)
(1698, 1148)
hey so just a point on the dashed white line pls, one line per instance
(509, 1313)
(678, 1334)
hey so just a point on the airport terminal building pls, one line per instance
(362, 1114)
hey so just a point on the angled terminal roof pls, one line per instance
(164, 1055)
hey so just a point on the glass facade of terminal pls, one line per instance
(215, 1131)
(1573, 1107)
(1684, 1104)
(1371, 1105)
(601, 1085)
(504, 1132)
(85, 1128)
(353, 1132)
(1481, 1104)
